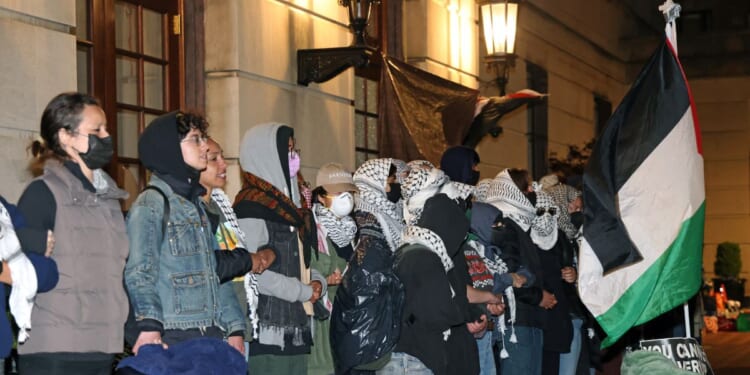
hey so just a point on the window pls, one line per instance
(365, 119)
(602, 112)
(144, 67)
(84, 46)
(128, 56)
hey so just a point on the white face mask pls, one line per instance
(342, 204)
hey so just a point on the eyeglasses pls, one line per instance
(540, 211)
(196, 139)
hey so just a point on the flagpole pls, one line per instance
(687, 319)
(671, 12)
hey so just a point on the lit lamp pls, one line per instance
(321, 64)
(499, 21)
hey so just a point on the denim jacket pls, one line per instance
(173, 280)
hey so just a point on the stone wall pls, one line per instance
(251, 75)
(39, 61)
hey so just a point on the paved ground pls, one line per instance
(728, 352)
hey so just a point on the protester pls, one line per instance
(430, 314)
(78, 325)
(555, 256)
(366, 316)
(333, 198)
(269, 213)
(567, 200)
(461, 164)
(524, 344)
(171, 272)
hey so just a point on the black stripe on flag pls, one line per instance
(655, 103)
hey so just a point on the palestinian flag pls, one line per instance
(644, 202)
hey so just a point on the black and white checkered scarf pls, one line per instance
(563, 194)
(483, 186)
(371, 178)
(506, 196)
(340, 230)
(402, 170)
(414, 234)
(544, 228)
(250, 280)
(418, 187)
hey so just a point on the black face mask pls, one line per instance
(576, 218)
(502, 235)
(473, 178)
(99, 153)
(395, 194)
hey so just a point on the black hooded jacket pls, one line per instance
(160, 152)
(435, 299)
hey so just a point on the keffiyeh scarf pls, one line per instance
(544, 227)
(250, 280)
(563, 194)
(402, 170)
(482, 188)
(418, 187)
(417, 164)
(370, 179)
(506, 196)
(417, 235)
(340, 230)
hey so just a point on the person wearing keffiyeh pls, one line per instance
(333, 198)
(269, 213)
(365, 321)
(434, 333)
(555, 257)
(508, 192)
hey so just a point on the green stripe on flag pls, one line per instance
(673, 278)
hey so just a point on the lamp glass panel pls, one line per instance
(500, 22)
(512, 23)
(360, 8)
(486, 11)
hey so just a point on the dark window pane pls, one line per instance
(153, 28)
(372, 96)
(359, 131)
(153, 76)
(372, 133)
(126, 26)
(361, 157)
(127, 80)
(359, 93)
(83, 68)
(127, 134)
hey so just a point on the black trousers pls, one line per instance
(66, 363)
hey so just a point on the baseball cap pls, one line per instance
(335, 178)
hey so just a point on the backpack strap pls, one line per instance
(165, 218)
